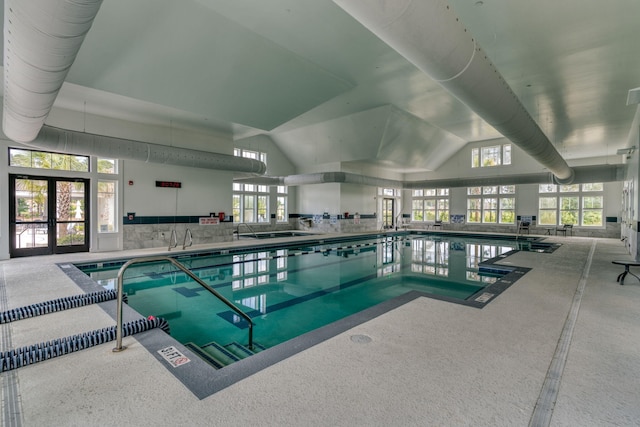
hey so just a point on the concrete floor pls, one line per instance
(429, 362)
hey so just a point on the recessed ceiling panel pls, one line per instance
(188, 57)
(384, 136)
(409, 141)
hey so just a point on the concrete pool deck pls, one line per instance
(428, 362)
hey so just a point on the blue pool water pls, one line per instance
(289, 291)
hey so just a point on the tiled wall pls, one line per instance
(150, 235)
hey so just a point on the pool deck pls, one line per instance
(566, 326)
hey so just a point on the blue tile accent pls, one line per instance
(188, 292)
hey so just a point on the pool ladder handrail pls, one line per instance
(250, 229)
(187, 236)
(173, 240)
(119, 347)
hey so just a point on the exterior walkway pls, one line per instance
(429, 362)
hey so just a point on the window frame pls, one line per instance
(282, 204)
(491, 204)
(491, 155)
(430, 205)
(571, 204)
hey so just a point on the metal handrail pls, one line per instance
(188, 235)
(119, 346)
(250, 229)
(173, 240)
(398, 222)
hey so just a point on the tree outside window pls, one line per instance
(548, 213)
(474, 210)
(569, 210)
(236, 208)
(281, 209)
(495, 206)
(507, 210)
(263, 211)
(107, 207)
(577, 204)
(489, 210)
(430, 205)
(248, 210)
(494, 155)
(490, 156)
(417, 210)
(592, 211)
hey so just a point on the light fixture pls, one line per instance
(626, 151)
(633, 97)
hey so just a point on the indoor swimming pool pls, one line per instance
(288, 291)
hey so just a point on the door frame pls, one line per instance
(385, 201)
(52, 222)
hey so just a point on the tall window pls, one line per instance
(491, 204)
(107, 207)
(281, 204)
(577, 204)
(109, 166)
(494, 155)
(250, 203)
(430, 205)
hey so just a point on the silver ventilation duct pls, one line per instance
(429, 35)
(582, 175)
(41, 41)
(64, 141)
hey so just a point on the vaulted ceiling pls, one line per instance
(325, 89)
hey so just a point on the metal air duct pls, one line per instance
(582, 175)
(429, 35)
(41, 41)
(64, 141)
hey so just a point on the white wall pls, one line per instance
(203, 190)
(357, 198)
(319, 198)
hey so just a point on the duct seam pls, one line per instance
(473, 55)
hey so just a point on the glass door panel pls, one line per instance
(31, 213)
(70, 213)
(387, 213)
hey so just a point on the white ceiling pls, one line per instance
(327, 90)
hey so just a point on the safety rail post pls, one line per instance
(248, 226)
(173, 240)
(119, 347)
(187, 236)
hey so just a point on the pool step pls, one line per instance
(220, 356)
(242, 351)
(204, 355)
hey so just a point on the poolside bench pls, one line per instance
(627, 264)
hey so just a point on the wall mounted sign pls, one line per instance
(168, 184)
(209, 220)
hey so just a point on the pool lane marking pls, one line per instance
(233, 318)
(545, 405)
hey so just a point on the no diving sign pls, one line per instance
(173, 356)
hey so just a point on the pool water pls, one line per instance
(290, 291)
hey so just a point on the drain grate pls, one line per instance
(361, 339)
